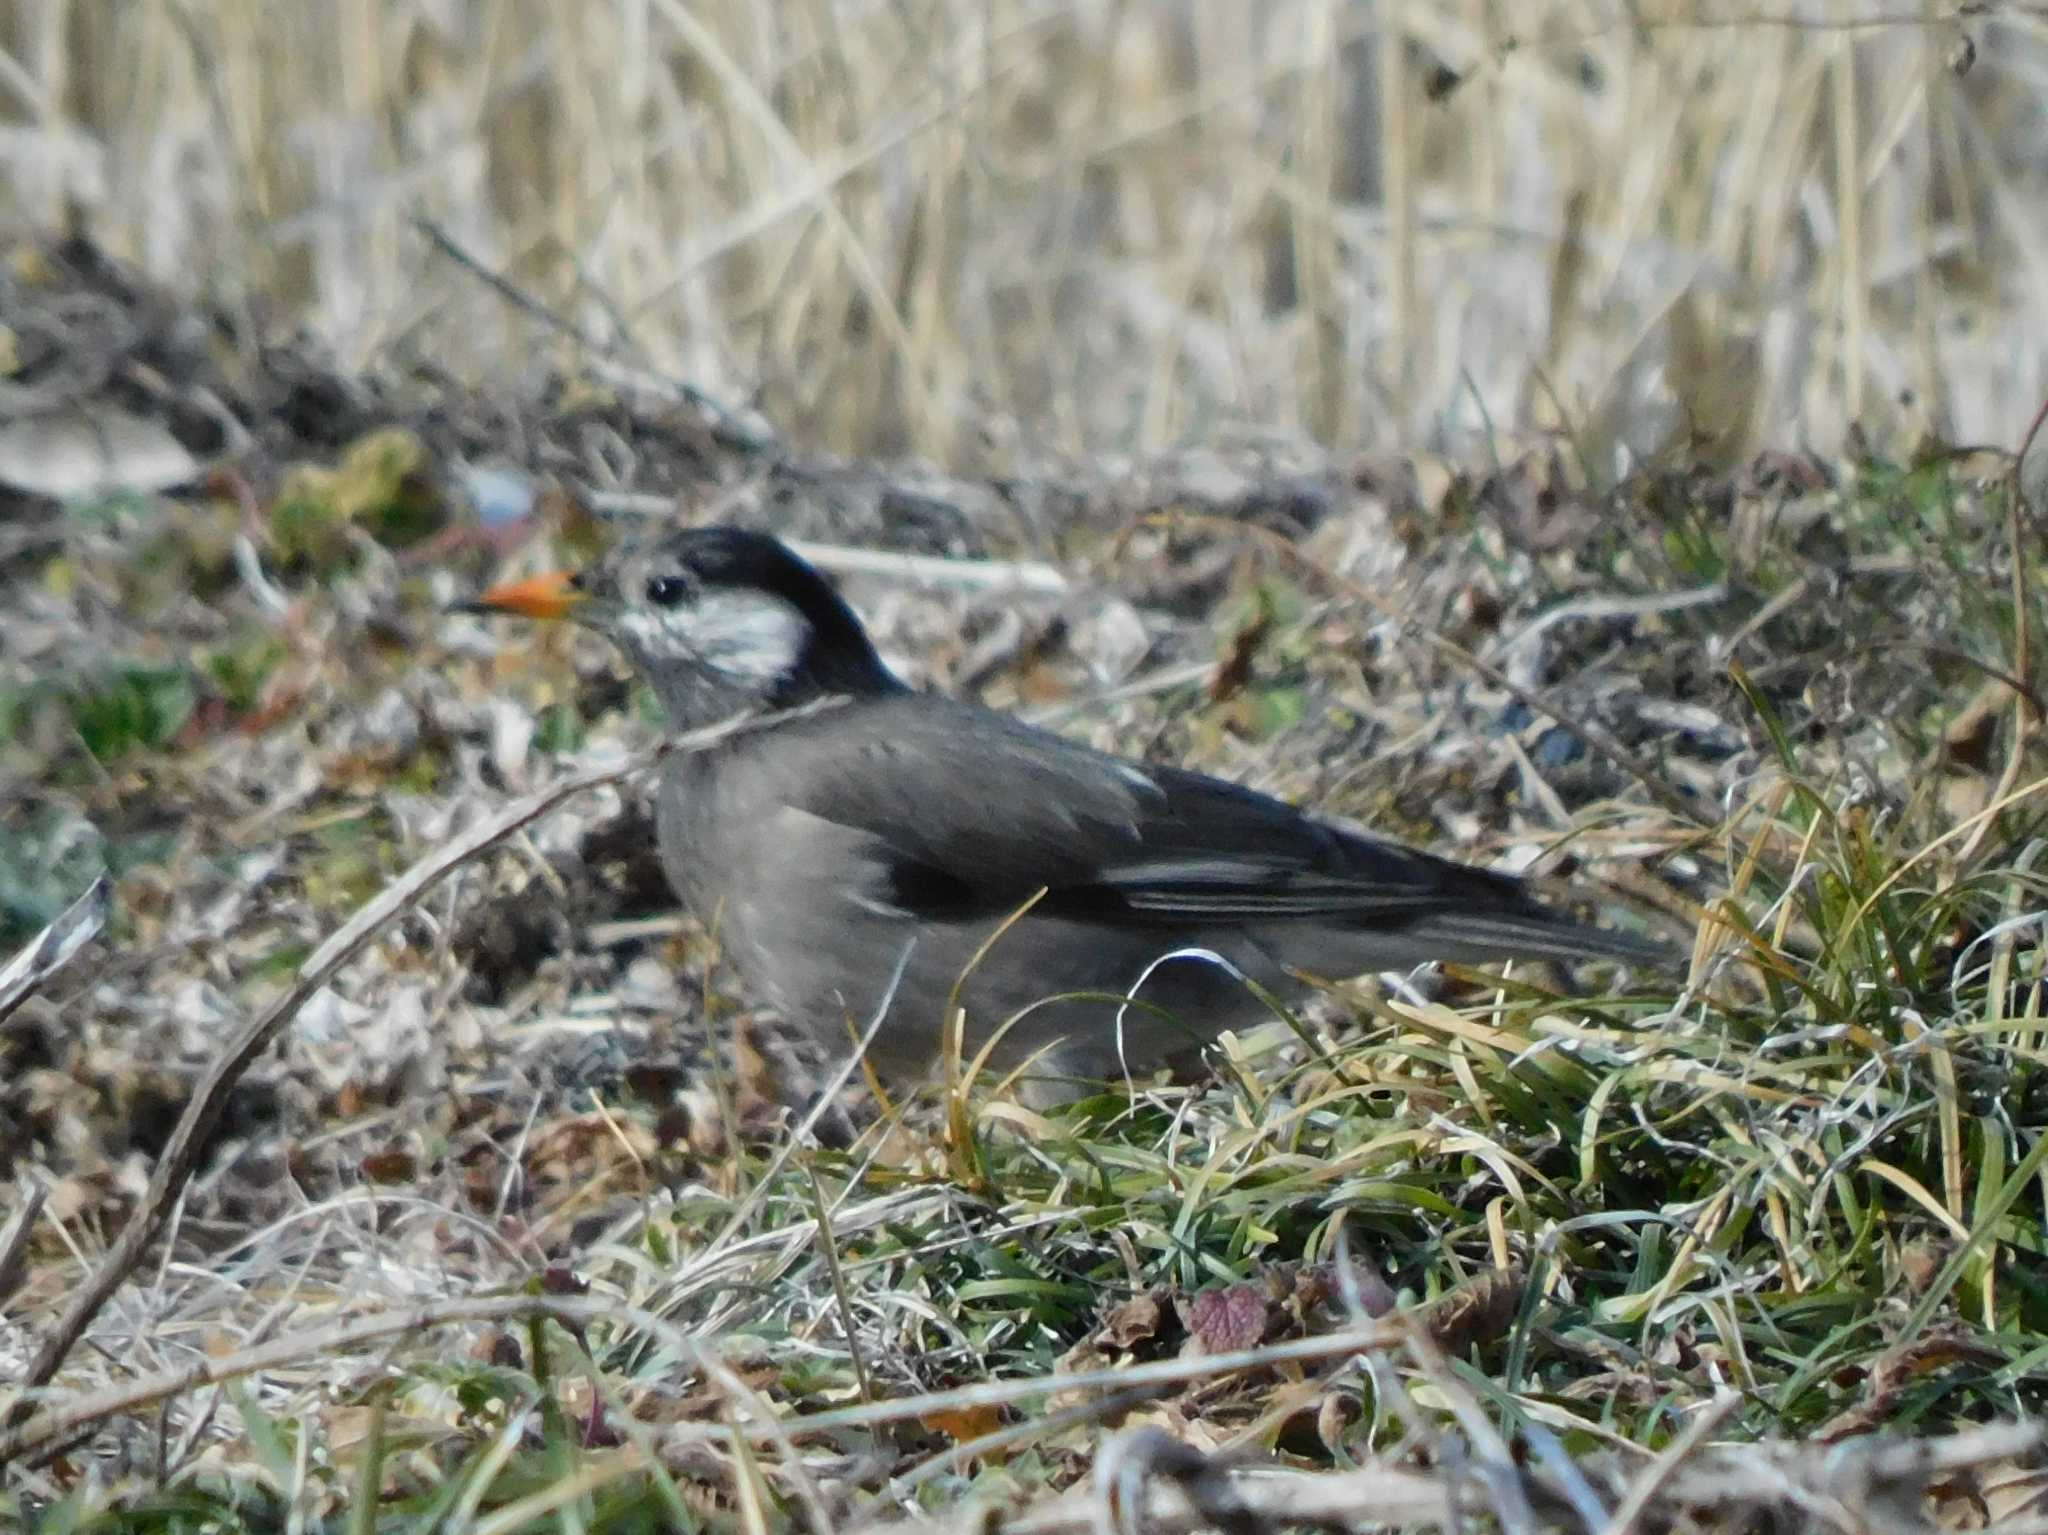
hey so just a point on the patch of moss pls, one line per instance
(381, 485)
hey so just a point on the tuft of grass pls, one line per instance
(132, 709)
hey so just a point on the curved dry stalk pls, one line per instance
(202, 1113)
(56, 946)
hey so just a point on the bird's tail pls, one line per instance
(1486, 937)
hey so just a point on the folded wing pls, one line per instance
(1150, 847)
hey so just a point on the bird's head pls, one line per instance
(719, 620)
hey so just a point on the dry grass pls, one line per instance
(988, 231)
(1661, 1259)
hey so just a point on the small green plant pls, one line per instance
(133, 709)
(239, 671)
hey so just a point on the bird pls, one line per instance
(868, 849)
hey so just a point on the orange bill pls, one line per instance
(548, 596)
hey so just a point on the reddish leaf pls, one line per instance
(394, 1164)
(1226, 1320)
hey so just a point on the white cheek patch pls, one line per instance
(746, 635)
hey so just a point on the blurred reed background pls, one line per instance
(991, 230)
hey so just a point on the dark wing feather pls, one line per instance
(964, 812)
(1105, 838)
(1216, 852)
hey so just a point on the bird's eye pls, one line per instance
(667, 591)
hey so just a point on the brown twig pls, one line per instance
(1658, 1475)
(502, 285)
(438, 237)
(1031, 576)
(14, 1241)
(1359, 1338)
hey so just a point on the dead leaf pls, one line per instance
(1335, 1414)
(1920, 1261)
(965, 1424)
(756, 1092)
(1477, 1311)
(394, 1164)
(1478, 609)
(1323, 1286)
(2013, 1492)
(1134, 1321)
(88, 451)
(1941, 1345)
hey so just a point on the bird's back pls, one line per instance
(825, 848)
